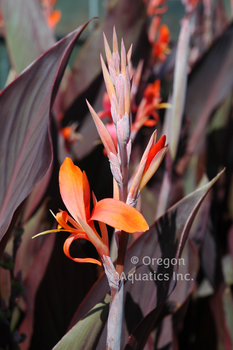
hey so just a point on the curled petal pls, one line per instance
(62, 219)
(66, 249)
(119, 215)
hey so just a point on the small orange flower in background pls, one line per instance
(52, 16)
(70, 134)
(106, 112)
(149, 104)
(75, 193)
(160, 46)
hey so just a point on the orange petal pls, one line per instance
(66, 132)
(62, 219)
(71, 189)
(150, 122)
(119, 215)
(66, 249)
(164, 34)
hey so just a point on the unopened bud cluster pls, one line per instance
(117, 79)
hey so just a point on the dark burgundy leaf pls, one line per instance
(208, 85)
(25, 107)
(63, 287)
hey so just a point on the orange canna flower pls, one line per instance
(148, 105)
(160, 47)
(75, 193)
(152, 92)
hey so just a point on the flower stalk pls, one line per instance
(117, 79)
(118, 212)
